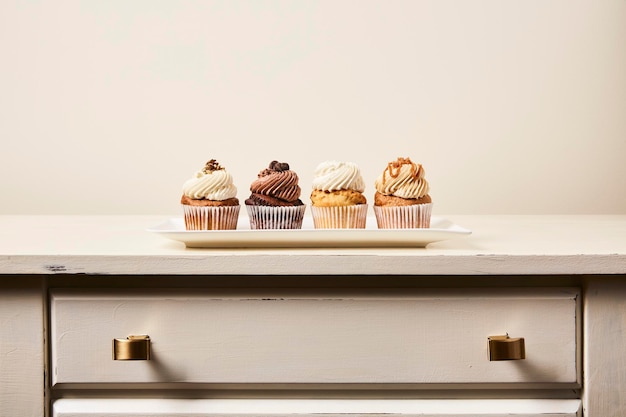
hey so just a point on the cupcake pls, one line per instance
(274, 202)
(337, 197)
(209, 199)
(401, 200)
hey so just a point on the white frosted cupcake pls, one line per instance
(337, 200)
(209, 199)
(401, 200)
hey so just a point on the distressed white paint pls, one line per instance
(605, 348)
(527, 245)
(21, 347)
(428, 337)
(325, 408)
(497, 245)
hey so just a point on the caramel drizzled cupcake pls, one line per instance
(401, 200)
(209, 199)
(274, 202)
(337, 200)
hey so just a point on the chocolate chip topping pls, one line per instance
(211, 166)
(275, 166)
(279, 166)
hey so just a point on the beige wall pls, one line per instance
(511, 106)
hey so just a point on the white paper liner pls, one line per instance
(404, 217)
(211, 218)
(266, 217)
(340, 217)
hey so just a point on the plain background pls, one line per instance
(513, 107)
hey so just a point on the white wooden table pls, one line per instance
(43, 254)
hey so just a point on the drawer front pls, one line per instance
(311, 408)
(247, 338)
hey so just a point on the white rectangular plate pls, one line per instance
(308, 236)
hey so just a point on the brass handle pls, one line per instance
(133, 348)
(505, 348)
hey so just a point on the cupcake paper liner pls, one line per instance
(404, 217)
(340, 217)
(211, 218)
(266, 217)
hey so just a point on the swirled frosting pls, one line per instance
(335, 176)
(213, 182)
(403, 178)
(275, 185)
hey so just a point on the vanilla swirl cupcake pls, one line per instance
(274, 202)
(209, 199)
(337, 200)
(401, 199)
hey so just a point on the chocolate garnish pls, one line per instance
(274, 166)
(279, 166)
(211, 166)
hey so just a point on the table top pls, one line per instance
(498, 244)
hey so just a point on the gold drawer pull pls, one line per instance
(505, 348)
(133, 348)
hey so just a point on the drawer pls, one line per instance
(306, 337)
(304, 408)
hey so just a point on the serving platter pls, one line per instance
(309, 237)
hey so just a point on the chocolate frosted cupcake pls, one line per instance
(401, 200)
(209, 199)
(275, 200)
(337, 197)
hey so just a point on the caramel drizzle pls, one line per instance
(395, 167)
